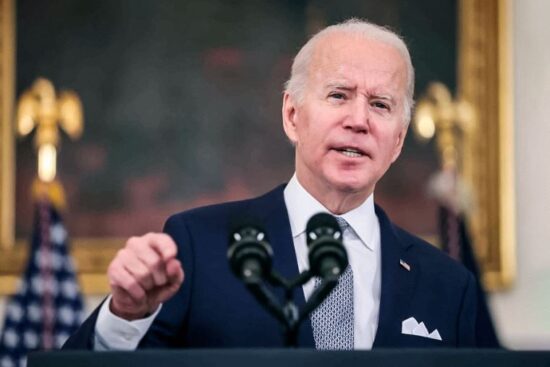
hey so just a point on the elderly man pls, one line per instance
(346, 109)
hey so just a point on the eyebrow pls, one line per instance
(339, 85)
(384, 97)
(342, 85)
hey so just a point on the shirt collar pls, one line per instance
(301, 206)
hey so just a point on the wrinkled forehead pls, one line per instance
(357, 59)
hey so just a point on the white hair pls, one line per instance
(295, 86)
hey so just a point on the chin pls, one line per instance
(350, 183)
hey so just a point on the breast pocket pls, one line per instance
(413, 341)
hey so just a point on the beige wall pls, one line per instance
(523, 313)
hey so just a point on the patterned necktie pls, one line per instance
(332, 321)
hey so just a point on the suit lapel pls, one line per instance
(397, 286)
(398, 283)
(272, 209)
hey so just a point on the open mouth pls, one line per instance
(351, 152)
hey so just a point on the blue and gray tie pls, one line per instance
(332, 321)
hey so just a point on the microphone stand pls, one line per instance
(288, 313)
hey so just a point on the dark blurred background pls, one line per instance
(182, 102)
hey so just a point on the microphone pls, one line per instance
(327, 256)
(249, 253)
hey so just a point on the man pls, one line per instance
(346, 109)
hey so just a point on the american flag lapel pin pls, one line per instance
(405, 265)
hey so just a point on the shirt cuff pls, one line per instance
(115, 333)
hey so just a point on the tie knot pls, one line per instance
(342, 223)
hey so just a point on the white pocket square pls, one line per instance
(412, 327)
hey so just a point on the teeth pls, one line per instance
(352, 153)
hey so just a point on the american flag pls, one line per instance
(47, 306)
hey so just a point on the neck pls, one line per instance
(338, 202)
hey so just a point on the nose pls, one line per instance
(358, 117)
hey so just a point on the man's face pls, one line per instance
(349, 127)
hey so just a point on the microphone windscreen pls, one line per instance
(327, 255)
(321, 221)
(244, 225)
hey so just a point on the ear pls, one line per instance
(399, 143)
(289, 118)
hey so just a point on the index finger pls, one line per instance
(163, 244)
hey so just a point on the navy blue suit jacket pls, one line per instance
(214, 309)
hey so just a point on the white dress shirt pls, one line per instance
(115, 333)
(362, 242)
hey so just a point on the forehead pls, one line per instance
(353, 59)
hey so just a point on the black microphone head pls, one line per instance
(240, 223)
(327, 256)
(248, 232)
(249, 253)
(322, 224)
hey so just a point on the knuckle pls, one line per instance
(143, 276)
(150, 260)
(156, 264)
(137, 243)
(133, 287)
(112, 270)
(166, 237)
(149, 236)
(132, 242)
(113, 278)
(124, 257)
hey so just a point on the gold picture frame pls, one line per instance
(485, 82)
(484, 79)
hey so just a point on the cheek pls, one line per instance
(307, 135)
(397, 145)
(389, 145)
(312, 148)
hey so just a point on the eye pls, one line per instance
(337, 95)
(381, 105)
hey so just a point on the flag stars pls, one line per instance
(15, 311)
(61, 338)
(11, 338)
(69, 289)
(66, 315)
(34, 312)
(47, 302)
(7, 362)
(58, 234)
(53, 260)
(30, 338)
(39, 286)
